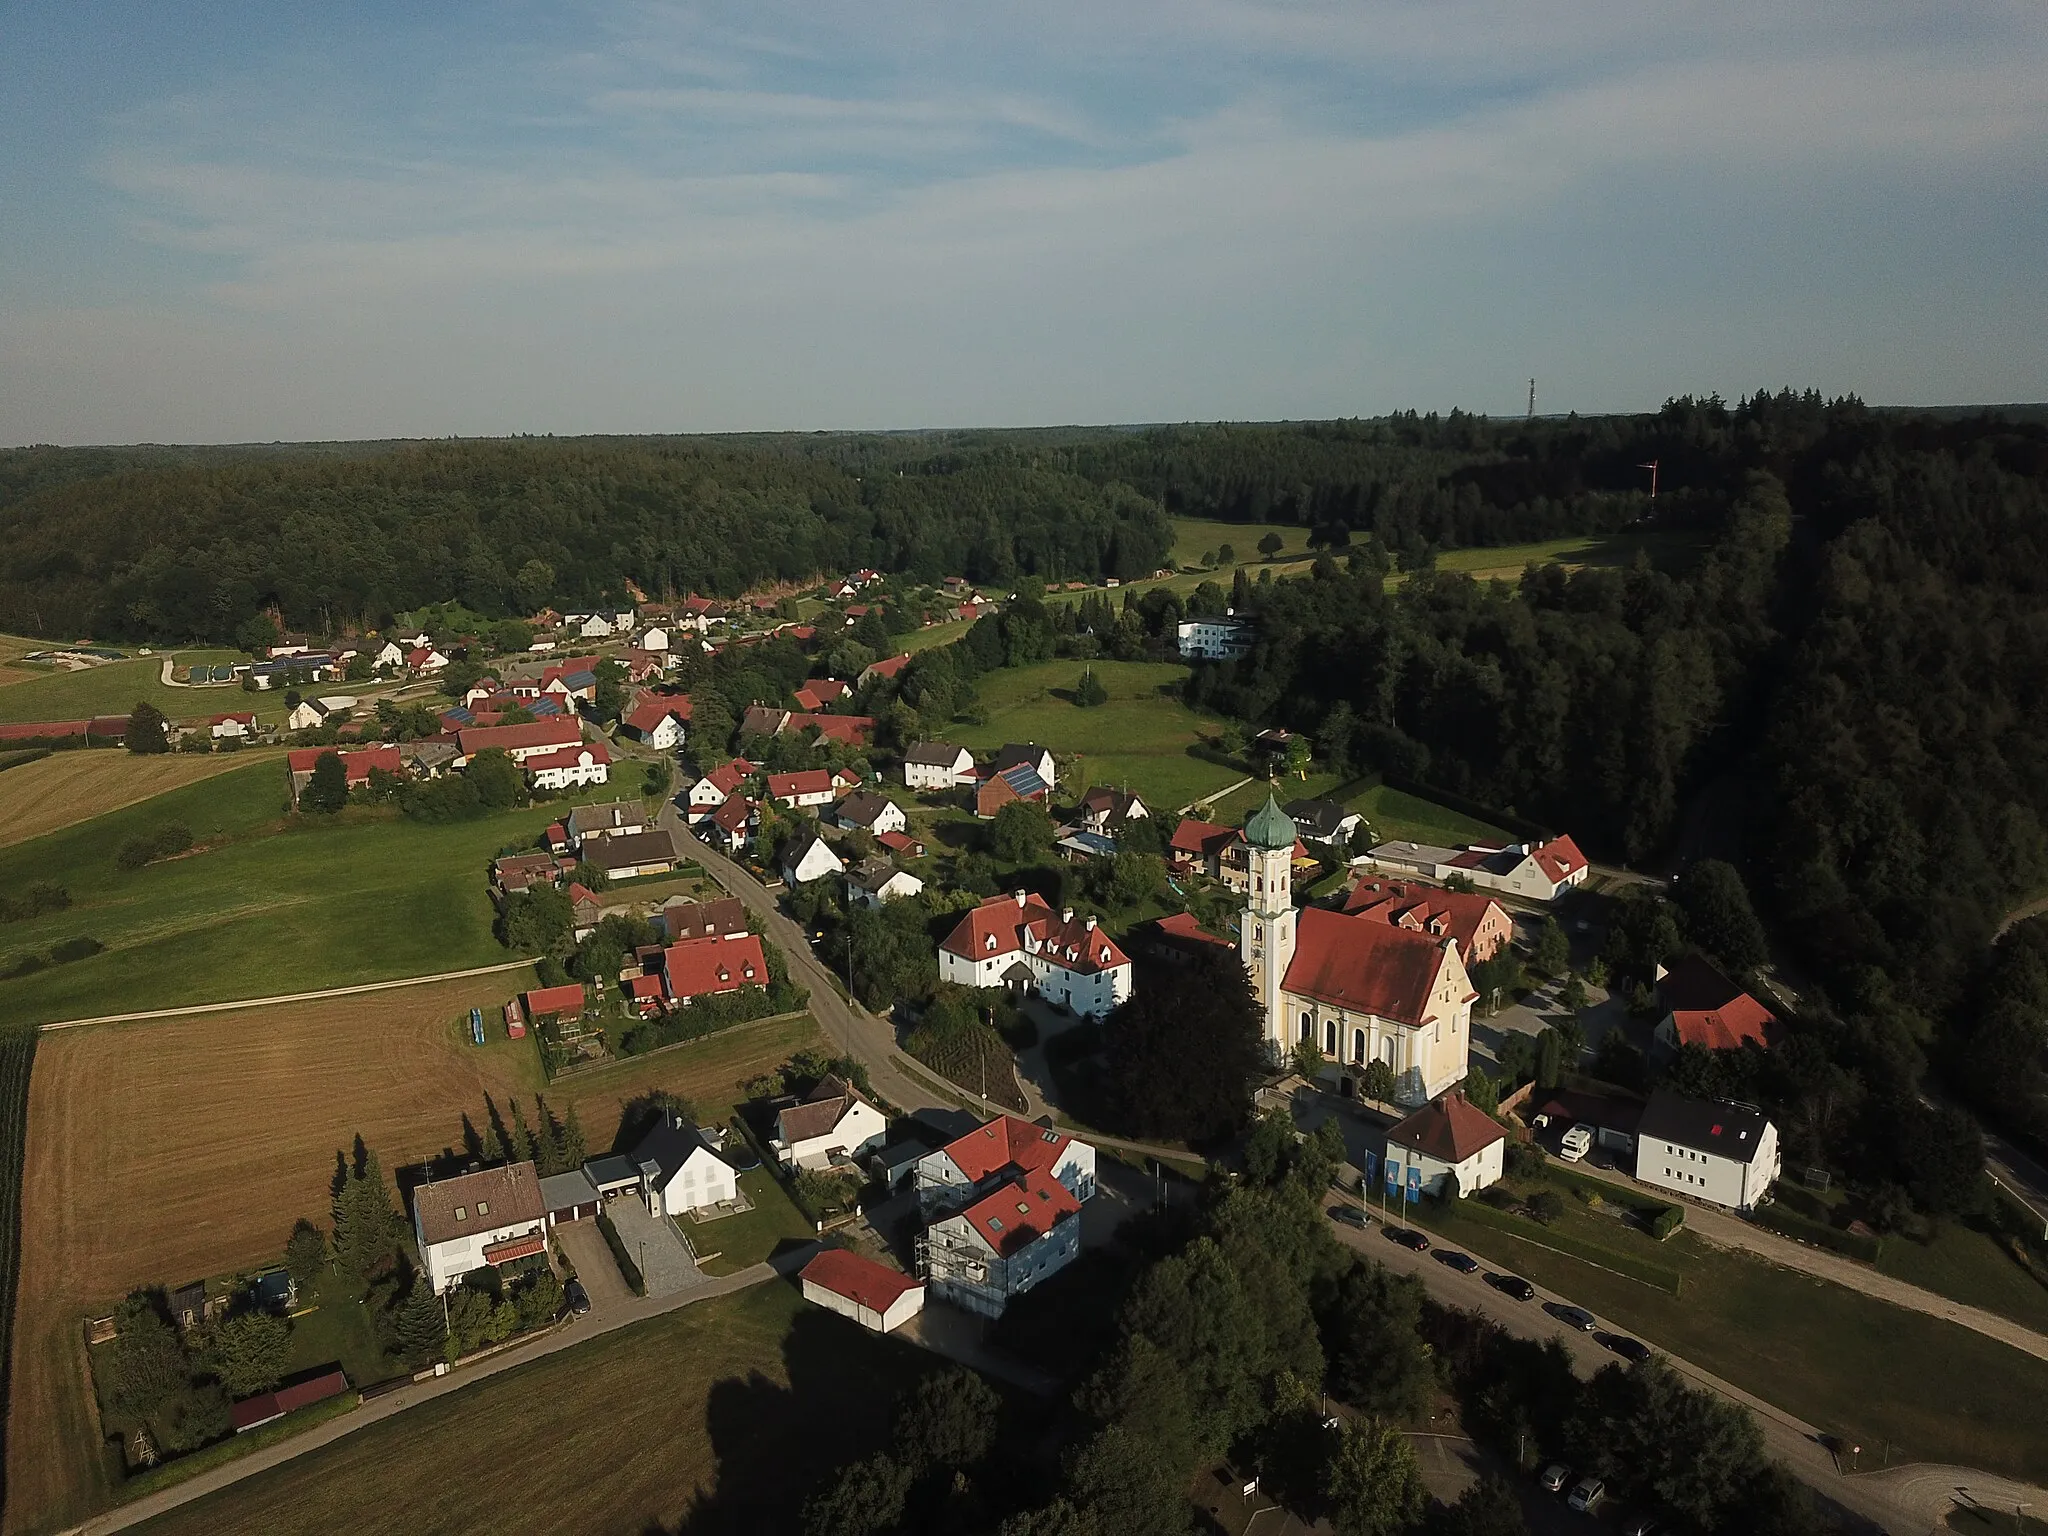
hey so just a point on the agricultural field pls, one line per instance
(221, 1130)
(17, 1058)
(66, 788)
(722, 1417)
(1139, 739)
(1194, 537)
(42, 693)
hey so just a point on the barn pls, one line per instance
(872, 1294)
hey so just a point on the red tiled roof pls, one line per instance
(562, 731)
(889, 666)
(52, 729)
(1021, 1212)
(1005, 1142)
(1708, 1009)
(570, 757)
(731, 775)
(732, 813)
(563, 999)
(1033, 926)
(851, 729)
(899, 842)
(1201, 837)
(861, 1280)
(811, 781)
(515, 1248)
(357, 762)
(1422, 908)
(1560, 858)
(1450, 1130)
(1371, 967)
(1182, 925)
(246, 717)
(641, 987)
(700, 967)
(657, 707)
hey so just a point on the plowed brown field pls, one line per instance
(69, 787)
(160, 1152)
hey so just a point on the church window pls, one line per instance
(1308, 1025)
(1358, 1045)
(1330, 1038)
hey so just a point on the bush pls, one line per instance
(635, 1281)
(1667, 1221)
(38, 899)
(1525, 1160)
(74, 949)
(1546, 1205)
(165, 842)
(1776, 1218)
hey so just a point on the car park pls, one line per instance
(1587, 1495)
(1554, 1477)
(1350, 1215)
(1512, 1285)
(1463, 1263)
(1575, 1317)
(1408, 1237)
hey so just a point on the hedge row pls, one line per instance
(1660, 1276)
(634, 1279)
(1786, 1223)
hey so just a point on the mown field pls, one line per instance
(66, 788)
(1139, 739)
(219, 1131)
(719, 1417)
(40, 693)
(1392, 813)
(265, 903)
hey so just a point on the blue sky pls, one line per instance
(243, 222)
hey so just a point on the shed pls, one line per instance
(872, 1294)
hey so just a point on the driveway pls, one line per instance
(595, 1267)
(655, 1246)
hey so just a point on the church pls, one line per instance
(1363, 990)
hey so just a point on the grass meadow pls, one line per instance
(31, 692)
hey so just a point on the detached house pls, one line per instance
(733, 826)
(810, 788)
(834, 1123)
(1106, 811)
(356, 762)
(617, 818)
(1444, 1141)
(1203, 848)
(235, 726)
(808, 859)
(712, 791)
(1703, 1007)
(660, 720)
(876, 882)
(1480, 924)
(1018, 782)
(488, 1218)
(1003, 1204)
(695, 968)
(1019, 943)
(820, 693)
(1725, 1154)
(569, 767)
(1026, 755)
(889, 668)
(520, 742)
(870, 812)
(632, 854)
(680, 1169)
(1535, 871)
(937, 765)
(1324, 821)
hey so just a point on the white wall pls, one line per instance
(1704, 1176)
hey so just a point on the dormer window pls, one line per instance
(990, 944)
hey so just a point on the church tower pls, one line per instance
(1265, 929)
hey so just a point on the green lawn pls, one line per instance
(1397, 816)
(719, 1417)
(1968, 1266)
(1840, 1360)
(114, 689)
(268, 903)
(755, 1235)
(338, 1329)
(1139, 739)
(1194, 537)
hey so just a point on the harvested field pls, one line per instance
(161, 1152)
(69, 787)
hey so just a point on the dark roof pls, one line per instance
(1016, 754)
(560, 1191)
(1733, 1131)
(669, 1145)
(933, 754)
(1603, 1111)
(860, 808)
(1318, 818)
(634, 848)
(612, 1169)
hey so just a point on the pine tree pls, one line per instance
(421, 1327)
(574, 1150)
(521, 1137)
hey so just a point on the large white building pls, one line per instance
(1019, 943)
(1214, 639)
(937, 765)
(1003, 1207)
(1445, 1141)
(477, 1219)
(682, 1170)
(1726, 1154)
(1363, 990)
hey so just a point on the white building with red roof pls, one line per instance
(1534, 871)
(809, 788)
(520, 742)
(1363, 989)
(717, 786)
(1480, 924)
(1003, 1205)
(873, 1295)
(1006, 1148)
(1019, 943)
(660, 720)
(1449, 1140)
(568, 767)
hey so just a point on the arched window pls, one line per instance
(1308, 1025)
(1258, 931)
(1387, 1050)
(1358, 1045)
(1330, 1038)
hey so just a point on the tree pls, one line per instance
(1296, 759)
(1375, 1486)
(305, 1253)
(257, 634)
(949, 1422)
(1633, 1419)
(1089, 692)
(1307, 1058)
(422, 1332)
(476, 1319)
(1271, 545)
(366, 1226)
(1377, 1360)
(248, 1352)
(1486, 1508)
(147, 732)
(1718, 914)
(538, 921)
(1020, 833)
(1377, 1082)
(538, 1299)
(711, 728)
(1549, 1060)
(1482, 1092)
(609, 701)
(327, 790)
(865, 1499)
(1553, 950)
(499, 783)
(1184, 1050)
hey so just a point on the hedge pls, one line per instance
(636, 1281)
(1659, 1276)
(1787, 1223)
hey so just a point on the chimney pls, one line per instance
(1091, 925)
(679, 1119)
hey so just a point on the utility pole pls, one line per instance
(1532, 399)
(1652, 468)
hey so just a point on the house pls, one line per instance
(901, 844)
(490, 1217)
(870, 812)
(873, 1295)
(1177, 938)
(659, 720)
(1324, 821)
(654, 639)
(808, 859)
(1535, 871)
(595, 823)
(632, 854)
(1224, 639)
(1450, 1144)
(1362, 989)
(711, 791)
(1725, 1154)
(1104, 811)
(522, 871)
(694, 968)
(430, 756)
(1019, 943)
(1703, 1007)
(1081, 846)
(269, 1407)
(686, 919)
(809, 788)
(1022, 1231)
(1026, 755)
(762, 720)
(849, 730)
(563, 1002)
(833, 1123)
(1480, 924)
(643, 994)
(733, 826)
(389, 656)
(1204, 848)
(569, 1197)
(357, 762)
(569, 767)
(311, 714)
(519, 742)
(234, 726)
(937, 765)
(979, 1157)
(875, 882)
(887, 669)
(595, 626)
(585, 912)
(1018, 782)
(682, 1170)
(821, 692)
(425, 661)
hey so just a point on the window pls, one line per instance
(1330, 1038)
(1358, 1045)
(462, 1213)
(1308, 1025)
(483, 1207)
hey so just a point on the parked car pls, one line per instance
(1408, 1237)
(1350, 1215)
(1513, 1285)
(1576, 1317)
(1587, 1495)
(1634, 1350)
(1643, 1526)
(1578, 1141)
(1463, 1263)
(1554, 1477)
(576, 1298)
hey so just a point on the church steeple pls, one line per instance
(1265, 931)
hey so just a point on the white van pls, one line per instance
(1578, 1141)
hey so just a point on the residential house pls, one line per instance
(712, 791)
(1703, 1007)
(1725, 1154)
(1224, 639)
(1450, 1144)
(1026, 755)
(237, 725)
(1019, 943)
(1105, 811)
(1204, 848)
(388, 657)
(809, 788)
(1363, 989)
(733, 827)
(425, 661)
(632, 854)
(937, 765)
(694, 968)
(1324, 821)
(653, 639)
(849, 730)
(522, 871)
(820, 693)
(682, 918)
(887, 669)
(979, 1157)
(356, 762)
(1080, 846)
(585, 912)
(1177, 938)
(311, 714)
(569, 767)
(1004, 1210)
(875, 882)
(537, 738)
(644, 994)
(1005, 786)
(594, 626)
(490, 1217)
(682, 1170)
(614, 818)
(563, 1002)
(870, 811)
(660, 720)
(873, 1295)
(1535, 871)
(808, 859)
(1480, 924)
(833, 1123)
(762, 720)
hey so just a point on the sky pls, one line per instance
(244, 222)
